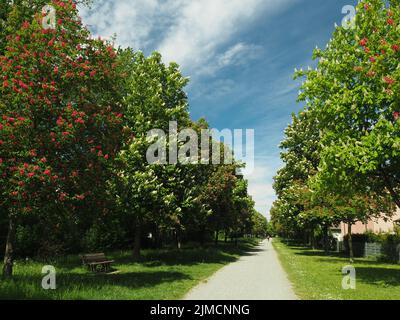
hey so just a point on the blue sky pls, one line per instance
(239, 54)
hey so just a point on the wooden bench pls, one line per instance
(97, 262)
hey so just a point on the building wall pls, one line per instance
(377, 226)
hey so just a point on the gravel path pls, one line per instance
(255, 276)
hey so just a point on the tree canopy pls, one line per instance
(75, 118)
(341, 151)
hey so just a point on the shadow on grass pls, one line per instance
(221, 254)
(307, 251)
(190, 255)
(73, 279)
(27, 286)
(382, 277)
(366, 266)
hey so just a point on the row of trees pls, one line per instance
(341, 152)
(75, 113)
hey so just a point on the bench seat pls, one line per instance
(97, 262)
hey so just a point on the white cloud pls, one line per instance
(190, 32)
(135, 22)
(234, 54)
(237, 55)
(202, 26)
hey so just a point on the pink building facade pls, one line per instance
(375, 225)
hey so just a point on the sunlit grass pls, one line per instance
(317, 276)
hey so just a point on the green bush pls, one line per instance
(27, 240)
(375, 238)
(390, 247)
(104, 236)
(359, 241)
(389, 242)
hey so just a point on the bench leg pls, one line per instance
(99, 268)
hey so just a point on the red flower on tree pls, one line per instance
(363, 42)
(389, 80)
(53, 111)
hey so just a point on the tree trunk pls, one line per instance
(312, 239)
(9, 252)
(216, 237)
(157, 239)
(326, 236)
(178, 240)
(202, 235)
(351, 252)
(137, 244)
(226, 237)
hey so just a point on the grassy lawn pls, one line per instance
(160, 275)
(317, 276)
